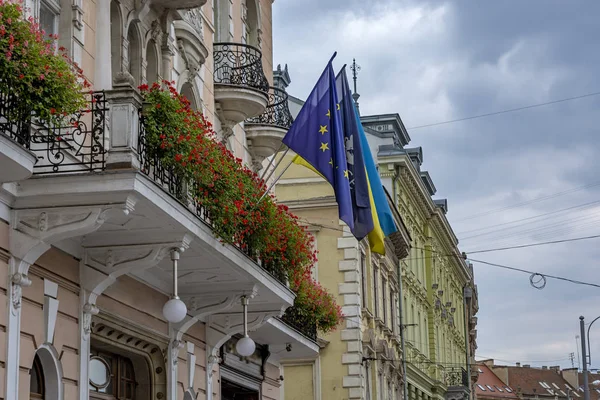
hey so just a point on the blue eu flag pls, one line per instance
(316, 136)
(359, 187)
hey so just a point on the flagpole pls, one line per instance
(271, 161)
(275, 181)
(276, 165)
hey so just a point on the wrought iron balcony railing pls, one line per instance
(75, 145)
(277, 112)
(303, 324)
(181, 189)
(457, 377)
(239, 65)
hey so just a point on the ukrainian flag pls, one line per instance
(383, 220)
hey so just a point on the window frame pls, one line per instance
(54, 7)
(117, 371)
(364, 278)
(384, 298)
(375, 291)
(39, 374)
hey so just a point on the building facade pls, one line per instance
(93, 230)
(429, 284)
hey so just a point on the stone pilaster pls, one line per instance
(354, 380)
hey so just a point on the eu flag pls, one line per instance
(359, 188)
(316, 136)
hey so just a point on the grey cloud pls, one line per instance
(434, 61)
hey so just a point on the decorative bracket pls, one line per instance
(117, 260)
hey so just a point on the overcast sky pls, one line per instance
(433, 61)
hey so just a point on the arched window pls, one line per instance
(116, 34)
(36, 380)
(188, 92)
(112, 375)
(251, 24)
(134, 54)
(152, 63)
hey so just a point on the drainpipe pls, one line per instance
(400, 297)
(467, 293)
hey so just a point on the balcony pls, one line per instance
(36, 147)
(291, 337)
(265, 131)
(178, 4)
(241, 86)
(457, 381)
(121, 212)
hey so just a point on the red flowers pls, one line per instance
(32, 71)
(228, 193)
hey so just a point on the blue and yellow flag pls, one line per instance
(359, 188)
(316, 136)
(385, 218)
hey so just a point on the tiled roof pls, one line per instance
(489, 386)
(594, 389)
(540, 382)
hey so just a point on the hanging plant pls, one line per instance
(40, 78)
(230, 193)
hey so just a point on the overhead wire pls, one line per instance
(524, 219)
(537, 284)
(528, 202)
(534, 244)
(505, 111)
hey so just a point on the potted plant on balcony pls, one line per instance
(36, 78)
(231, 194)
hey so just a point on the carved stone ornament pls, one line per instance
(194, 18)
(213, 360)
(18, 282)
(89, 310)
(174, 348)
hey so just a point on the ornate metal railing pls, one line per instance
(183, 190)
(14, 119)
(277, 112)
(303, 324)
(75, 145)
(240, 65)
(457, 377)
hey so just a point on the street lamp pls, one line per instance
(584, 357)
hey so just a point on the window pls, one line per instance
(544, 385)
(509, 390)
(481, 387)
(480, 371)
(121, 382)
(499, 389)
(36, 380)
(363, 276)
(384, 302)
(555, 385)
(375, 292)
(490, 388)
(392, 309)
(231, 391)
(48, 16)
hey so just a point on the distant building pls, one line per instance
(490, 387)
(536, 383)
(575, 379)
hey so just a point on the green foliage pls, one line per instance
(42, 81)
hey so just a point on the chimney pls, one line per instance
(518, 364)
(544, 367)
(526, 366)
(555, 368)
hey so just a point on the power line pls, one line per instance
(522, 220)
(541, 283)
(524, 203)
(505, 111)
(534, 244)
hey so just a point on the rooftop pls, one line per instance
(490, 386)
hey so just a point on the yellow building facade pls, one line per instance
(417, 293)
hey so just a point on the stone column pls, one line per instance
(103, 64)
(125, 104)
